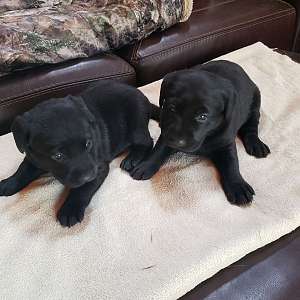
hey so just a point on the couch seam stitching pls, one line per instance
(212, 6)
(204, 37)
(7, 101)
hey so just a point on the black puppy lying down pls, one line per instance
(203, 110)
(75, 139)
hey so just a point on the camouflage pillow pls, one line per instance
(51, 31)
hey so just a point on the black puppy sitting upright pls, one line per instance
(75, 139)
(203, 110)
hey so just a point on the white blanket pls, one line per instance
(159, 238)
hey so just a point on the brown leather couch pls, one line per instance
(216, 27)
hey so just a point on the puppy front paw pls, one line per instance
(143, 171)
(70, 214)
(8, 187)
(255, 147)
(134, 157)
(129, 162)
(238, 193)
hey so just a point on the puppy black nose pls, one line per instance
(88, 178)
(173, 142)
(181, 143)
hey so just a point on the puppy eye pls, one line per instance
(201, 118)
(57, 156)
(89, 145)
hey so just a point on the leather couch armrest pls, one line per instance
(296, 4)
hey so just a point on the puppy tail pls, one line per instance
(155, 112)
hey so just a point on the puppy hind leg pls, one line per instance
(141, 146)
(249, 136)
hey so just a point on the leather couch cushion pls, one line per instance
(22, 90)
(296, 4)
(215, 28)
(270, 273)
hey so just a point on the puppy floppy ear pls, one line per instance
(162, 97)
(163, 89)
(79, 102)
(20, 130)
(230, 101)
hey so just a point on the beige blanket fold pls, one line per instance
(157, 239)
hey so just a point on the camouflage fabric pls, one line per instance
(37, 32)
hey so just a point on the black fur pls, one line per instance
(203, 110)
(75, 139)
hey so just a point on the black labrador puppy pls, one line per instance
(203, 110)
(76, 137)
